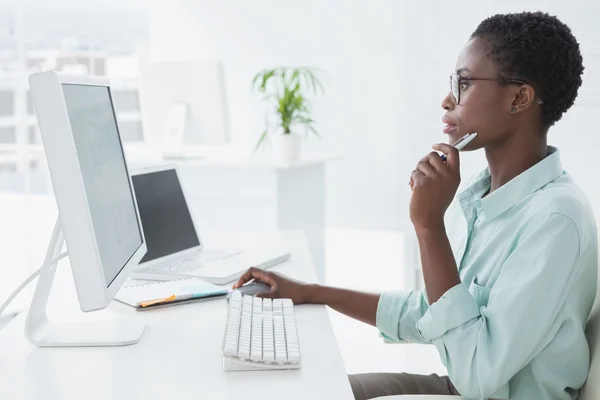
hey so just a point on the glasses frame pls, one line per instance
(459, 79)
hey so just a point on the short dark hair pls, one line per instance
(539, 49)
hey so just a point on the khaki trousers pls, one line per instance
(368, 386)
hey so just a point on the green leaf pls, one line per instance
(263, 137)
(305, 120)
(294, 77)
(317, 85)
(314, 131)
(256, 78)
(262, 78)
(288, 89)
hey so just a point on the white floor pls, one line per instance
(363, 260)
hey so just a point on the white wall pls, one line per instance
(389, 61)
(359, 44)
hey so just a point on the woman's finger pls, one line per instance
(436, 162)
(416, 177)
(453, 159)
(425, 168)
(254, 273)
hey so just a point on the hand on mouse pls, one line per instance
(281, 286)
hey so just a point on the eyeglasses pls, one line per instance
(456, 82)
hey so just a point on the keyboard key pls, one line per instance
(256, 355)
(231, 348)
(244, 352)
(267, 305)
(294, 356)
(287, 303)
(281, 355)
(269, 356)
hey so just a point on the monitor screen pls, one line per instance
(105, 175)
(166, 219)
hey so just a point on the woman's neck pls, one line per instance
(514, 157)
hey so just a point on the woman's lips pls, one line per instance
(449, 128)
(449, 125)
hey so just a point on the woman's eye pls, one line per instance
(463, 85)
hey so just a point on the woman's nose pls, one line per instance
(448, 103)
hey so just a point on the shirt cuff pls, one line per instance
(453, 309)
(389, 310)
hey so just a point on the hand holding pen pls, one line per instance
(462, 143)
(458, 145)
(434, 183)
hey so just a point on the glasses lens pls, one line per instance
(454, 84)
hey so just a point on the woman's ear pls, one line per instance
(524, 97)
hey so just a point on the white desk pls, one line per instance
(178, 357)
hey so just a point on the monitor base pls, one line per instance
(45, 333)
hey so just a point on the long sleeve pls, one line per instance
(484, 346)
(398, 314)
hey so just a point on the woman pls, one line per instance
(510, 270)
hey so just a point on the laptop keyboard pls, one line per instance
(192, 262)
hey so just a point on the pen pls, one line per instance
(462, 142)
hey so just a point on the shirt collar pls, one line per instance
(516, 189)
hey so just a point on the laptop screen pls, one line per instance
(166, 219)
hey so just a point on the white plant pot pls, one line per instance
(287, 147)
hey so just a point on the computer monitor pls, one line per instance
(184, 103)
(98, 214)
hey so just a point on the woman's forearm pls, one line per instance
(440, 272)
(358, 305)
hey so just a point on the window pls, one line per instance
(100, 38)
(8, 167)
(131, 131)
(7, 103)
(8, 135)
(33, 135)
(126, 100)
(30, 108)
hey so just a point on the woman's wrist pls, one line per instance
(314, 294)
(431, 229)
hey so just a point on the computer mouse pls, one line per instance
(250, 289)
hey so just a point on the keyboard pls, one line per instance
(217, 267)
(192, 262)
(260, 334)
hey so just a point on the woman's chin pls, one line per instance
(454, 136)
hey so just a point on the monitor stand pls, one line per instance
(45, 333)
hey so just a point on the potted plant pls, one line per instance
(287, 89)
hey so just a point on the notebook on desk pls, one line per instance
(148, 295)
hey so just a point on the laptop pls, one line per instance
(175, 247)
